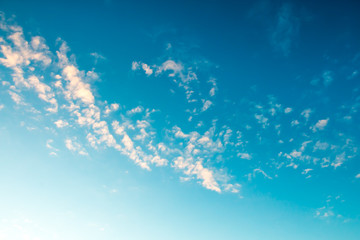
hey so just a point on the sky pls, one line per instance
(179, 120)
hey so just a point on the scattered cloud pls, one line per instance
(244, 156)
(194, 154)
(97, 57)
(327, 78)
(61, 123)
(288, 110)
(306, 113)
(285, 30)
(206, 105)
(320, 125)
(74, 146)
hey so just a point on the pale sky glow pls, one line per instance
(179, 120)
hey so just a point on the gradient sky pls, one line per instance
(179, 120)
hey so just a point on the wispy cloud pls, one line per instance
(74, 146)
(285, 29)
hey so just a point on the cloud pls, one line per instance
(324, 212)
(327, 78)
(262, 120)
(44, 92)
(16, 97)
(357, 176)
(205, 175)
(320, 125)
(193, 154)
(288, 110)
(206, 105)
(112, 108)
(135, 66)
(184, 76)
(339, 160)
(306, 171)
(53, 149)
(284, 31)
(214, 87)
(244, 156)
(294, 123)
(74, 146)
(170, 65)
(97, 56)
(76, 88)
(138, 109)
(147, 69)
(258, 170)
(81, 105)
(61, 123)
(321, 146)
(306, 113)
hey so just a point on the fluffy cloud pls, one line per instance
(61, 123)
(288, 110)
(320, 125)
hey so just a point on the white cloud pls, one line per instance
(244, 156)
(357, 176)
(113, 108)
(138, 109)
(49, 146)
(74, 146)
(197, 169)
(306, 113)
(170, 65)
(135, 66)
(234, 188)
(44, 92)
(214, 87)
(158, 161)
(258, 170)
(97, 56)
(262, 120)
(147, 69)
(73, 90)
(339, 160)
(321, 146)
(206, 105)
(295, 154)
(324, 212)
(294, 123)
(306, 171)
(61, 123)
(288, 110)
(320, 125)
(77, 89)
(16, 97)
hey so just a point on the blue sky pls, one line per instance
(179, 120)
